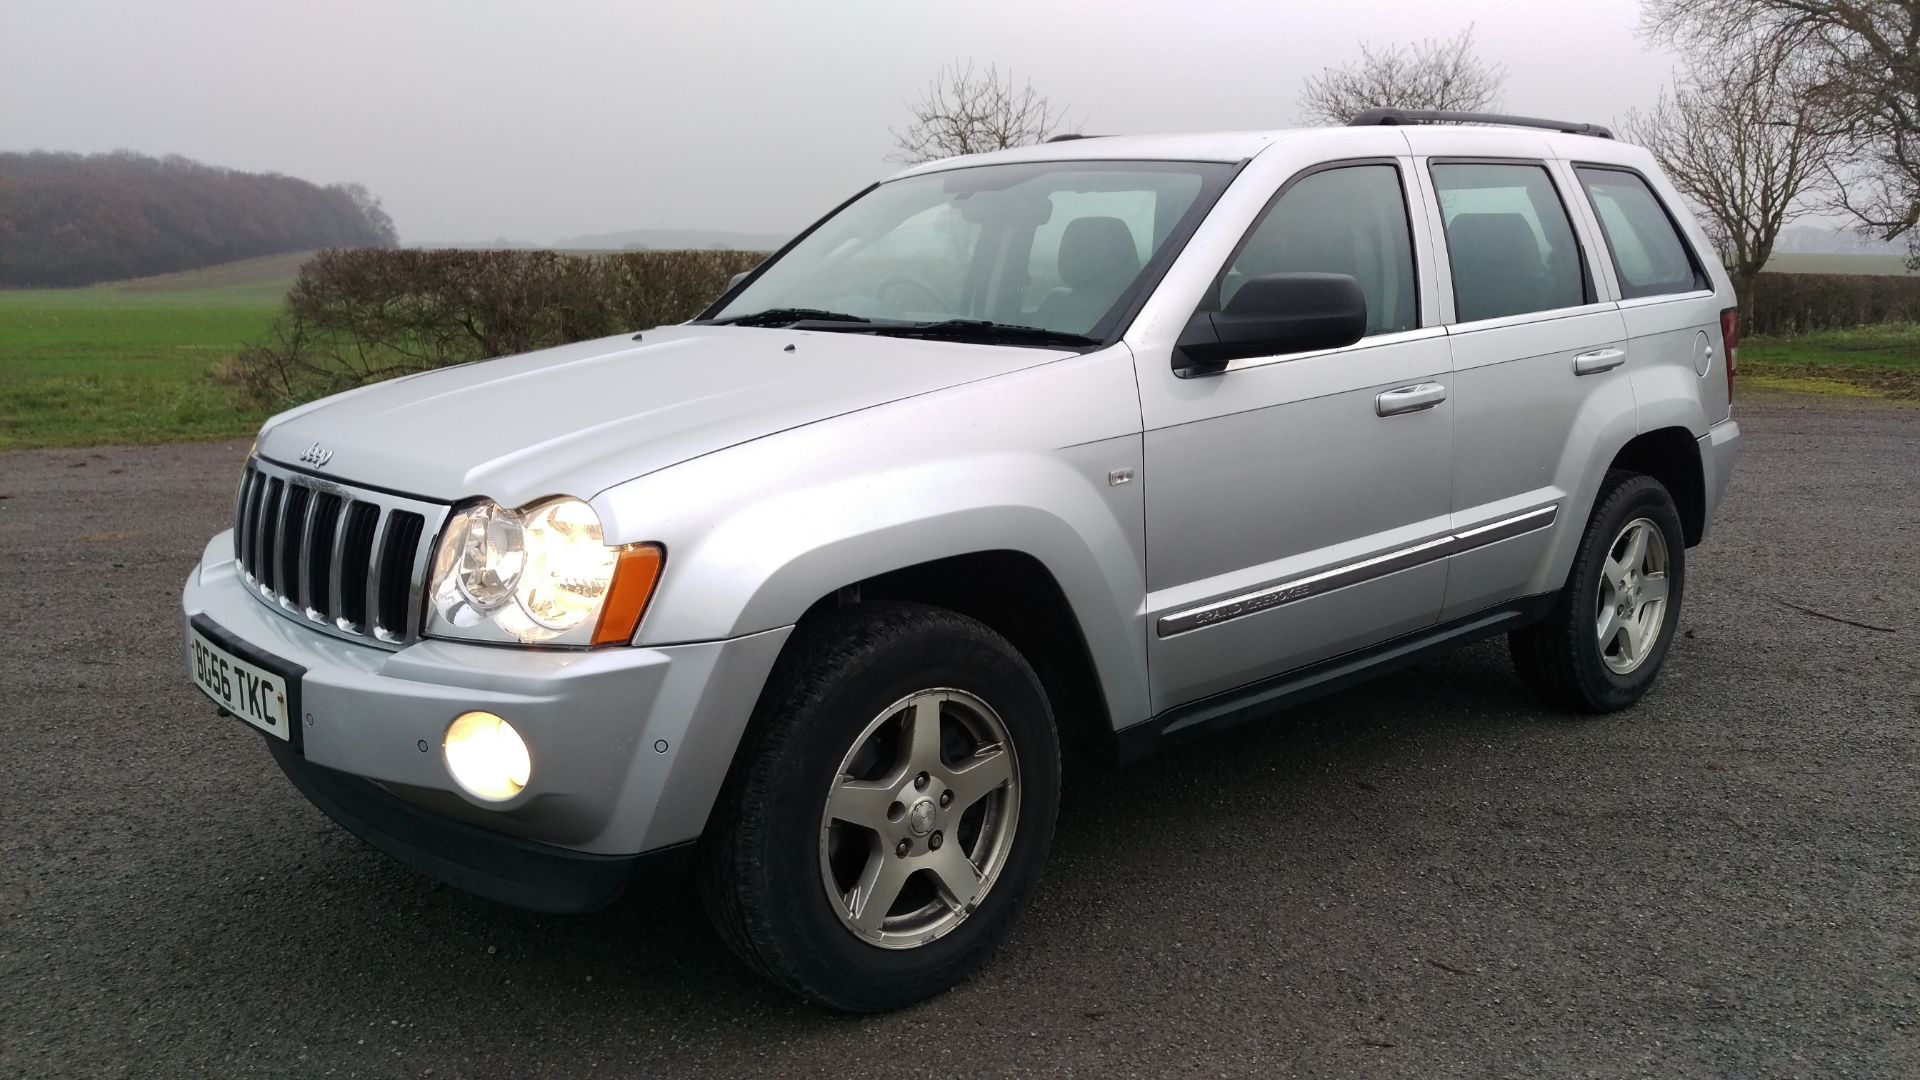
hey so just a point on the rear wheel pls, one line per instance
(889, 811)
(1602, 645)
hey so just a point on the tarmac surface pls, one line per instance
(1427, 875)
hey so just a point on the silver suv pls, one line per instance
(1098, 444)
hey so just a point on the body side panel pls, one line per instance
(1675, 362)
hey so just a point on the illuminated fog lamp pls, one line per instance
(487, 757)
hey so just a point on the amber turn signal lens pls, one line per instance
(634, 577)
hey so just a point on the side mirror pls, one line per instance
(1274, 314)
(737, 279)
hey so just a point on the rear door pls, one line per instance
(1539, 356)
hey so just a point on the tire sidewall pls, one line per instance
(826, 952)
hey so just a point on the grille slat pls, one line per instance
(336, 603)
(323, 519)
(397, 555)
(357, 559)
(268, 534)
(255, 499)
(293, 535)
(348, 560)
(374, 567)
(240, 507)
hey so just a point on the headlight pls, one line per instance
(541, 574)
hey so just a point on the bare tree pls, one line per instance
(1425, 75)
(1746, 141)
(963, 111)
(1864, 58)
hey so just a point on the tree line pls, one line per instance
(71, 219)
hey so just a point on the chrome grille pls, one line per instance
(347, 560)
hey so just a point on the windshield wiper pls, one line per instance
(985, 330)
(784, 316)
(944, 329)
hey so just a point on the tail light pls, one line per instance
(1730, 345)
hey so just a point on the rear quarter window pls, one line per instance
(1649, 256)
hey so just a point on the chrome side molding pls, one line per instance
(1288, 590)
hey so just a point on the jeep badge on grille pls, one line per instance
(317, 456)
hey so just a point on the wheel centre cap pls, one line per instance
(920, 819)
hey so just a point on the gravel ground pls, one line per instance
(1426, 875)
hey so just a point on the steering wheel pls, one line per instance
(915, 282)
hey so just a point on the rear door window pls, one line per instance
(1649, 256)
(1509, 241)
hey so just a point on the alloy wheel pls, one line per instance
(1632, 604)
(920, 818)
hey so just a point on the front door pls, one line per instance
(1297, 506)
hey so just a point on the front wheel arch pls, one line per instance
(1018, 597)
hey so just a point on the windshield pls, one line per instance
(1051, 245)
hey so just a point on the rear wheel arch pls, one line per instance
(1671, 455)
(1564, 658)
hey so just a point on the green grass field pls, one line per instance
(131, 362)
(1868, 361)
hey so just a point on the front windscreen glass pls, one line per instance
(1053, 246)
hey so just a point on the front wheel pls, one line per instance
(1602, 645)
(889, 811)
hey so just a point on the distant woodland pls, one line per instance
(69, 219)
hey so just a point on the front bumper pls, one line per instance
(539, 877)
(629, 745)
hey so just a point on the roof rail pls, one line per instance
(1068, 137)
(1391, 117)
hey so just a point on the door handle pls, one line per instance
(1591, 363)
(1408, 399)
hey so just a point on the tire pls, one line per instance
(781, 875)
(1568, 658)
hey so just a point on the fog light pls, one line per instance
(487, 757)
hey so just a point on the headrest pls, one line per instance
(1097, 251)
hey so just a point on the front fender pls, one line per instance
(757, 534)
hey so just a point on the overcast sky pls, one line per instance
(532, 120)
